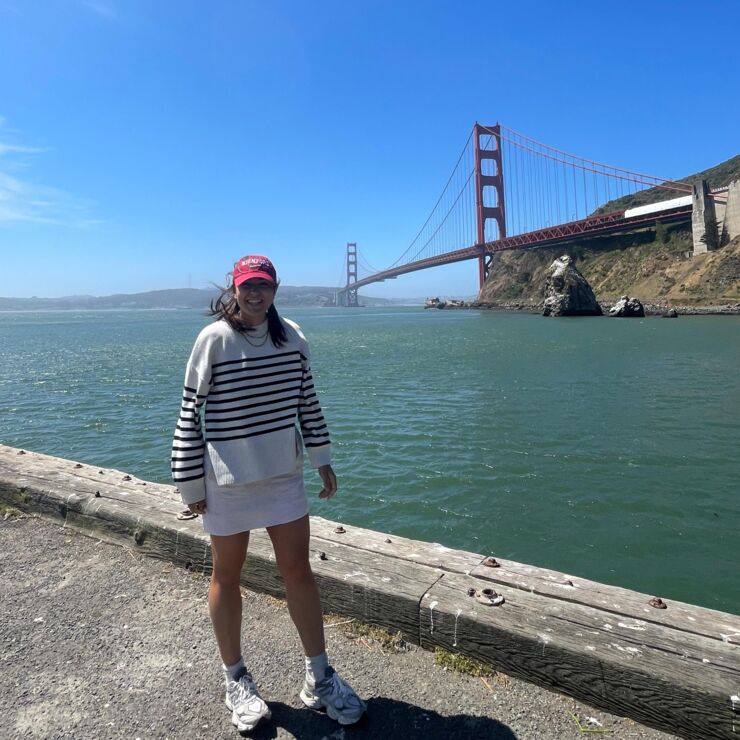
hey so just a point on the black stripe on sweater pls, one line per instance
(249, 375)
(316, 444)
(292, 384)
(265, 422)
(256, 359)
(248, 365)
(211, 424)
(186, 458)
(185, 480)
(253, 434)
(211, 415)
(183, 470)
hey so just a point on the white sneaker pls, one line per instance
(246, 705)
(336, 696)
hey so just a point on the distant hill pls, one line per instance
(288, 295)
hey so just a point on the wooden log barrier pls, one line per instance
(675, 668)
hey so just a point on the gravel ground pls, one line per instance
(99, 642)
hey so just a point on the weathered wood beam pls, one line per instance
(657, 675)
(676, 669)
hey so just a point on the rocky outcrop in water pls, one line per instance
(627, 307)
(567, 292)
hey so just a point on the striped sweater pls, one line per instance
(248, 400)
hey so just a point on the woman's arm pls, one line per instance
(188, 444)
(313, 425)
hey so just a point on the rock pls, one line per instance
(627, 307)
(567, 292)
(671, 313)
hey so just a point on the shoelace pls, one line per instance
(246, 688)
(341, 692)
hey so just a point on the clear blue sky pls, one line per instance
(147, 144)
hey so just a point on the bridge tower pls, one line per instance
(351, 294)
(482, 181)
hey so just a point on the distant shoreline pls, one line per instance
(175, 299)
(651, 309)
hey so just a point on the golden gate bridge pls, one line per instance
(510, 191)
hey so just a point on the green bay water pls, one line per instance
(604, 448)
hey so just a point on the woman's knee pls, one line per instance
(228, 554)
(226, 575)
(295, 570)
(290, 543)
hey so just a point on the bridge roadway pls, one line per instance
(553, 236)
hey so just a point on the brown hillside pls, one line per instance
(656, 271)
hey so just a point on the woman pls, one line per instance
(249, 374)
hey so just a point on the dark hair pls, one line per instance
(226, 307)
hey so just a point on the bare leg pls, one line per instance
(290, 542)
(224, 597)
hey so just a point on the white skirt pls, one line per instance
(265, 503)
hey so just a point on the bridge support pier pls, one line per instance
(351, 294)
(703, 220)
(485, 180)
(484, 267)
(731, 220)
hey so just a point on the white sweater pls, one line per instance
(251, 398)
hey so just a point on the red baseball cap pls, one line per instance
(254, 266)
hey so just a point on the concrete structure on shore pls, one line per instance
(715, 218)
(731, 215)
(666, 664)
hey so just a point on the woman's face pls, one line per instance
(254, 297)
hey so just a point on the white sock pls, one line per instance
(233, 672)
(316, 668)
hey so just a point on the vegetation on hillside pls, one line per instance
(716, 177)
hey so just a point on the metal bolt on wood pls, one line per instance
(97, 494)
(471, 592)
(322, 556)
(21, 452)
(658, 603)
(139, 536)
(78, 465)
(126, 477)
(491, 562)
(488, 597)
(340, 530)
(388, 541)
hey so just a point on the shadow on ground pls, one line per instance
(386, 718)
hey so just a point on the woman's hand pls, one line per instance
(329, 480)
(198, 507)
